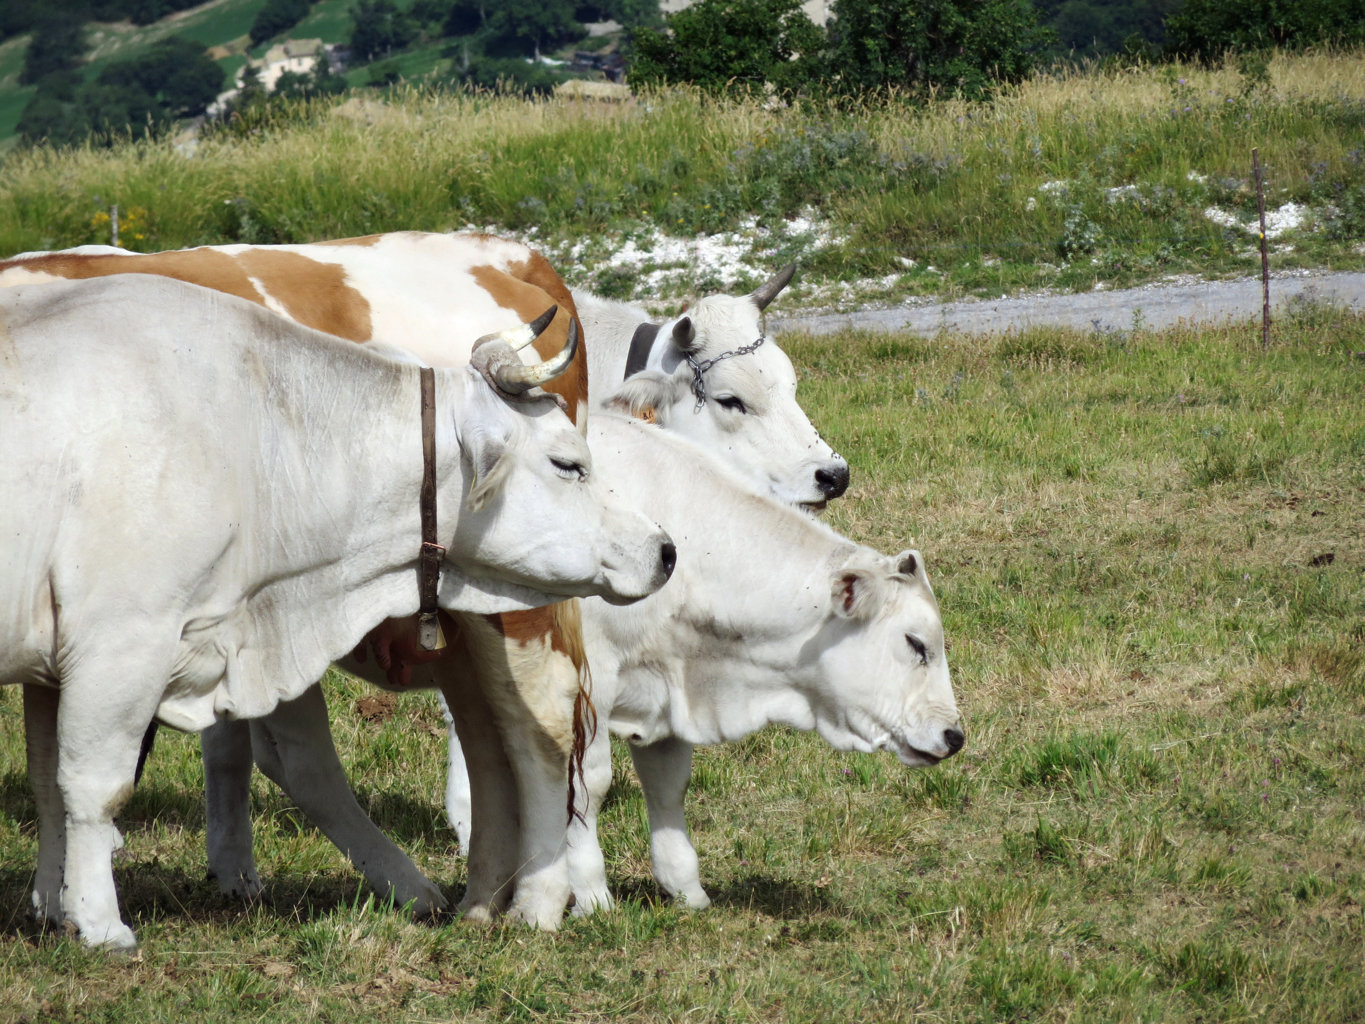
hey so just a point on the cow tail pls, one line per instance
(145, 751)
(569, 629)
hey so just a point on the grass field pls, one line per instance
(1149, 551)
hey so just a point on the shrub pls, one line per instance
(959, 47)
(724, 45)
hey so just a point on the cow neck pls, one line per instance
(641, 344)
(432, 554)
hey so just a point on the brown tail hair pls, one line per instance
(568, 616)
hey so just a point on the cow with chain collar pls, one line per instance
(710, 375)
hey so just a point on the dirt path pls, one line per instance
(1150, 306)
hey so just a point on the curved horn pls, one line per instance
(523, 334)
(764, 294)
(509, 374)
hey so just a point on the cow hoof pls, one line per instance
(544, 922)
(422, 902)
(46, 910)
(476, 913)
(693, 901)
(113, 938)
(590, 903)
(245, 886)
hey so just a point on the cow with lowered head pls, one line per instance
(206, 507)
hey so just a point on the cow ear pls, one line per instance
(490, 470)
(486, 451)
(909, 563)
(684, 335)
(647, 395)
(857, 594)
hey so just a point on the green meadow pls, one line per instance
(1148, 548)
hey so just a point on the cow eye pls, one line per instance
(917, 645)
(569, 469)
(732, 403)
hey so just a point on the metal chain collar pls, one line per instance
(698, 384)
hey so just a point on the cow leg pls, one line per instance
(495, 822)
(664, 769)
(587, 867)
(226, 749)
(538, 746)
(40, 734)
(99, 733)
(296, 739)
(531, 688)
(457, 781)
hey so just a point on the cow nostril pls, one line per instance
(668, 556)
(832, 481)
(954, 740)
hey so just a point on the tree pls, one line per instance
(18, 17)
(380, 28)
(57, 44)
(51, 119)
(1206, 29)
(175, 74)
(630, 13)
(515, 26)
(277, 16)
(732, 45)
(465, 17)
(959, 47)
(173, 78)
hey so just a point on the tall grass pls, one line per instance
(1066, 179)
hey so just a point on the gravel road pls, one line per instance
(1151, 306)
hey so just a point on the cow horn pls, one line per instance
(765, 293)
(507, 372)
(523, 334)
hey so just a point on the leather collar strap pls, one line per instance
(641, 342)
(432, 554)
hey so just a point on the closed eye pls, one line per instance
(569, 469)
(917, 645)
(733, 404)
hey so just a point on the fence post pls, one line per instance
(113, 223)
(1265, 257)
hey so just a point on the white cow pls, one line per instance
(518, 673)
(712, 375)
(771, 618)
(205, 504)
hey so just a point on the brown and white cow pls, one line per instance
(514, 676)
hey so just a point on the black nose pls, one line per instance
(832, 480)
(954, 739)
(668, 556)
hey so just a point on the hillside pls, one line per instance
(1079, 30)
(222, 26)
